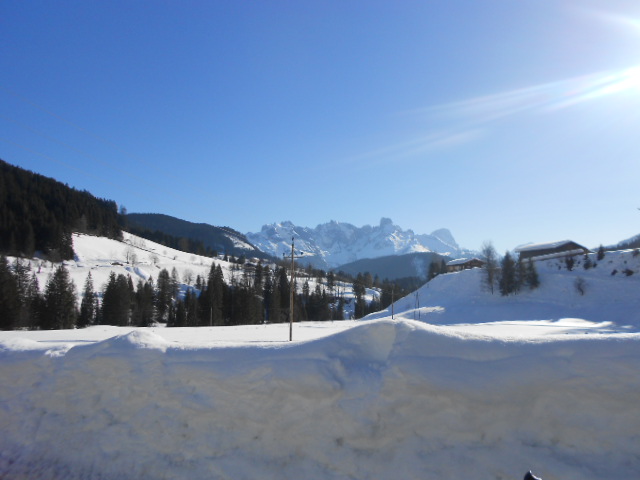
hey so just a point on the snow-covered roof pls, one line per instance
(543, 246)
(462, 261)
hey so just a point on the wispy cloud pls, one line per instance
(416, 146)
(541, 98)
(459, 123)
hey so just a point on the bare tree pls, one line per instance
(491, 265)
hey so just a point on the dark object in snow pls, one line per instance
(531, 476)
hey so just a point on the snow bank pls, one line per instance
(370, 402)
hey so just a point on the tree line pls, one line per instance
(254, 294)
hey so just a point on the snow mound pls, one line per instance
(380, 398)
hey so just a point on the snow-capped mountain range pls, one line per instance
(332, 244)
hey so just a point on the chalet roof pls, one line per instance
(462, 261)
(545, 246)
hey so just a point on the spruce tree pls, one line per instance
(34, 303)
(507, 281)
(60, 301)
(22, 273)
(521, 274)
(9, 304)
(144, 312)
(533, 280)
(116, 301)
(88, 305)
(164, 295)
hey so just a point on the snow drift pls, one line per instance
(383, 400)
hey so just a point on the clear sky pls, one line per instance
(502, 120)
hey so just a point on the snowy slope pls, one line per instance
(143, 259)
(610, 299)
(367, 402)
(134, 256)
(332, 244)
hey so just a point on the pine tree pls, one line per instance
(88, 305)
(60, 301)
(533, 280)
(359, 292)
(507, 281)
(144, 313)
(21, 271)
(116, 301)
(34, 303)
(521, 274)
(164, 295)
(9, 304)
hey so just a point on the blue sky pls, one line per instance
(508, 121)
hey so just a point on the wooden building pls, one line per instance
(464, 264)
(543, 251)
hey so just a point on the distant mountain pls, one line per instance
(333, 244)
(221, 239)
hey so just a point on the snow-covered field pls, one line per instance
(547, 380)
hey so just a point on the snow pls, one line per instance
(365, 400)
(483, 386)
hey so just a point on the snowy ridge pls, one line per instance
(373, 400)
(332, 244)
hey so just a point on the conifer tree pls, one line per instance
(116, 301)
(34, 303)
(521, 274)
(9, 305)
(507, 281)
(144, 313)
(60, 301)
(359, 292)
(21, 271)
(164, 295)
(88, 305)
(533, 280)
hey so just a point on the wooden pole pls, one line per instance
(392, 299)
(291, 293)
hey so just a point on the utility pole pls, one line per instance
(392, 299)
(291, 290)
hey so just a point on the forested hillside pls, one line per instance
(38, 213)
(199, 238)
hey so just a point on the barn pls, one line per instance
(542, 251)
